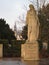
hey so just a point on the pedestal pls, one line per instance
(30, 51)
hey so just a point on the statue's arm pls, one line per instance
(38, 20)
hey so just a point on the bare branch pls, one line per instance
(21, 20)
(44, 2)
(25, 7)
(30, 1)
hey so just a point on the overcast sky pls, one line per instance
(10, 10)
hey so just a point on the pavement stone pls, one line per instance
(9, 61)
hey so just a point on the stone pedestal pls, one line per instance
(30, 51)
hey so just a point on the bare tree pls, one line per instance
(30, 1)
(25, 8)
(42, 2)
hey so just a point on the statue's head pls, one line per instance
(31, 6)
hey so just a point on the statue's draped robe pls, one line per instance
(33, 25)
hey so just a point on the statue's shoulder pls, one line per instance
(28, 11)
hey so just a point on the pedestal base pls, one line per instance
(30, 51)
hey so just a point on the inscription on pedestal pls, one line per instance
(30, 51)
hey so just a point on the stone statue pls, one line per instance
(33, 24)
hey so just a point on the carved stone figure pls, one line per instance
(33, 24)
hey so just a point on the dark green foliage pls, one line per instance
(44, 22)
(40, 45)
(5, 31)
(13, 49)
(44, 28)
(48, 47)
(24, 32)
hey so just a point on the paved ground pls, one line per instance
(14, 61)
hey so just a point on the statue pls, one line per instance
(33, 24)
